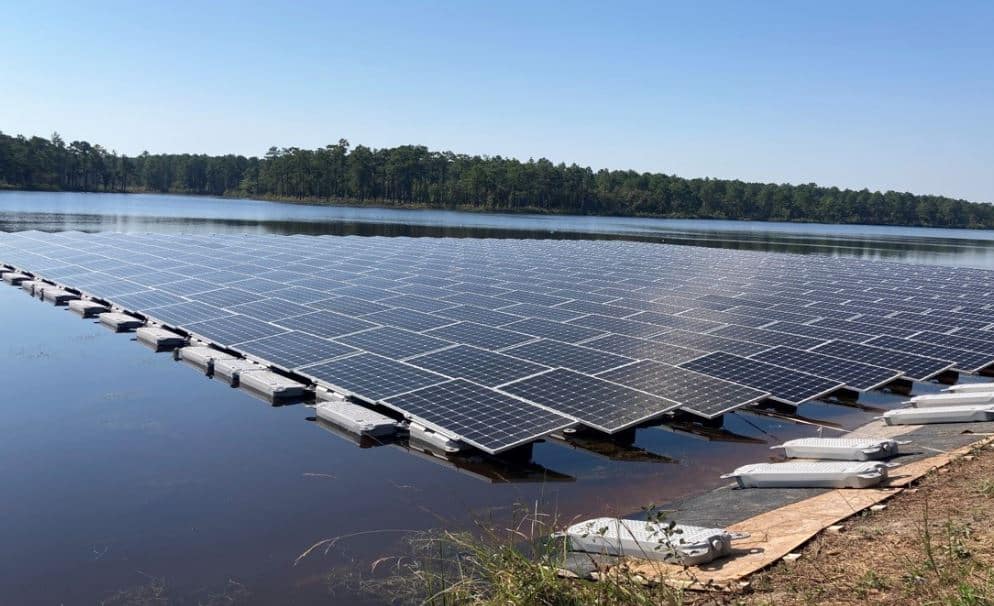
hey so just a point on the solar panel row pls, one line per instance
(706, 330)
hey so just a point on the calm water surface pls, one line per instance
(121, 468)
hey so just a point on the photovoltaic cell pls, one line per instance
(147, 299)
(479, 335)
(478, 315)
(918, 368)
(767, 337)
(394, 343)
(575, 357)
(697, 393)
(231, 330)
(478, 365)
(489, 420)
(620, 326)
(271, 310)
(710, 343)
(371, 377)
(643, 349)
(407, 318)
(182, 314)
(966, 361)
(855, 375)
(326, 324)
(291, 350)
(227, 297)
(597, 403)
(788, 386)
(559, 331)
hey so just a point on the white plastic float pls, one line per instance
(969, 398)
(15, 278)
(159, 338)
(661, 541)
(970, 387)
(940, 414)
(58, 296)
(229, 369)
(201, 356)
(353, 418)
(815, 474)
(87, 309)
(31, 286)
(841, 449)
(273, 386)
(120, 322)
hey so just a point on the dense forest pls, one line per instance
(412, 175)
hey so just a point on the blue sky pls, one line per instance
(884, 95)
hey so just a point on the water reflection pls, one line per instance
(159, 213)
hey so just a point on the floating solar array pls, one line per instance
(497, 342)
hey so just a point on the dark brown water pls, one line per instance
(121, 468)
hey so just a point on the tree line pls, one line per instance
(413, 175)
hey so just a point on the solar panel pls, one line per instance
(184, 288)
(147, 299)
(480, 335)
(227, 297)
(817, 332)
(966, 361)
(855, 375)
(643, 349)
(597, 403)
(575, 309)
(367, 293)
(697, 393)
(863, 327)
(484, 301)
(529, 310)
(725, 317)
(479, 315)
(559, 331)
(180, 314)
(349, 306)
(710, 343)
(231, 330)
(489, 420)
(298, 294)
(325, 324)
(478, 365)
(785, 385)
(575, 357)
(416, 303)
(619, 326)
(291, 350)
(112, 288)
(394, 343)
(407, 318)
(681, 322)
(258, 285)
(767, 337)
(371, 377)
(962, 342)
(271, 309)
(915, 367)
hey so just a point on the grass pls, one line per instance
(933, 545)
(495, 565)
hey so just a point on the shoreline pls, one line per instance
(469, 208)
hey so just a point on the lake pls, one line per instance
(128, 474)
